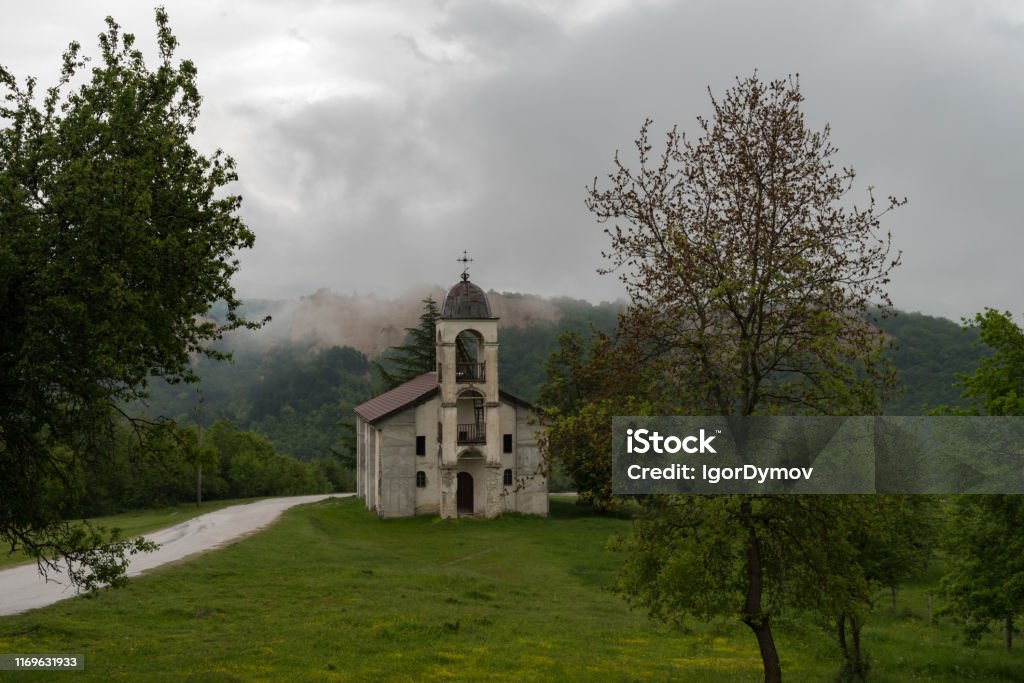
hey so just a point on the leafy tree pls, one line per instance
(997, 386)
(129, 475)
(252, 467)
(985, 541)
(116, 237)
(891, 540)
(418, 355)
(985, 576)
(588, 384)
(749, 285)
(697, 556)
(744, 271)
(575, 372)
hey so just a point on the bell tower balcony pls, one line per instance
(471, 425)
(471, 432)
(471, 372)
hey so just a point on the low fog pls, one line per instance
(369, 323)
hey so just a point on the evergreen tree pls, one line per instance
(417, 356)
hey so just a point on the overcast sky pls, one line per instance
(377, 140)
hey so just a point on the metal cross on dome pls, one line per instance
(465, 261)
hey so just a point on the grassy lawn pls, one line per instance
(332, 593)
(139, 522)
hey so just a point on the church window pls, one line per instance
(507, 443)
(508, 478)
(421, 479)
(421, 445)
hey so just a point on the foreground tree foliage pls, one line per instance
(116, 237)
(750, 284)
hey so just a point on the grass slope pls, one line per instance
(332, 593)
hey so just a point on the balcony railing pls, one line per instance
(470, 372)
(472, 433)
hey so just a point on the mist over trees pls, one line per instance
(299, 393)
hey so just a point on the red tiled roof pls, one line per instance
(389, 402)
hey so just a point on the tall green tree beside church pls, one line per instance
(750, 277)
(588, 383)
(116, 238)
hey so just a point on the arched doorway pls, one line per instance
(464, 493)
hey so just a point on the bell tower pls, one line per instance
(469, 426)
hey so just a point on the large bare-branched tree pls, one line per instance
(752, 279)
(747, 274)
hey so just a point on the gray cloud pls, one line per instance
(377, 140)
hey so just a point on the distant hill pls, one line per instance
(297, 380)
(929, 353)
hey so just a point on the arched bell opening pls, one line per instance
(469, 357)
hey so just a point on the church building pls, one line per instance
(451, 442)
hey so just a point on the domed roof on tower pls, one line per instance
(464, 299)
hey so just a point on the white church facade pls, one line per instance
(451, 442)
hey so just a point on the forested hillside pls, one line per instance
(299, 393)
(929, 353)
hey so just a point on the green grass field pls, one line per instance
(138, 523)
(332, 593)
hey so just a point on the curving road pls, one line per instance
(22, 588)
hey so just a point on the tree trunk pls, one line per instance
(841, 635)
(753, 615)
(199, 448)
(854, 668)
(199, 485)
(894, 598)
(859, 666)
(1008, 635)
